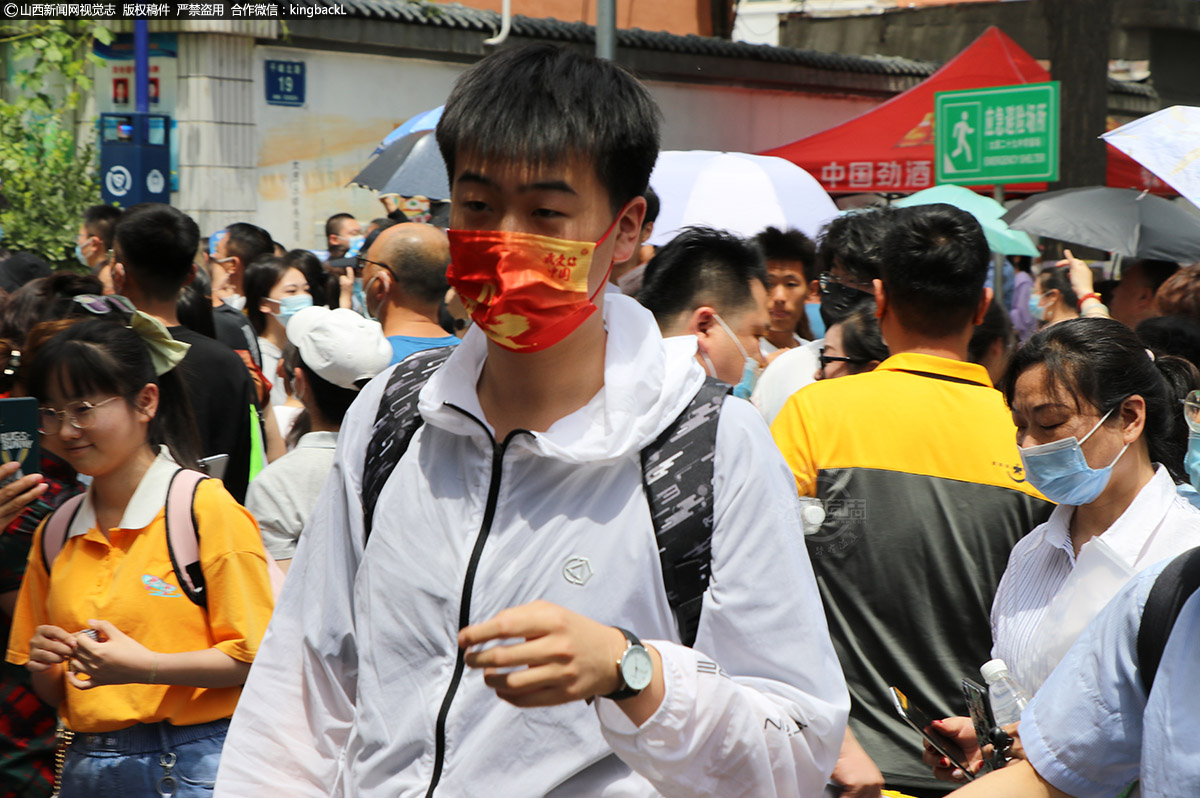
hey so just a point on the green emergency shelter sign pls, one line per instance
(1002, 134)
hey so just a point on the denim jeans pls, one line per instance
(148, 760)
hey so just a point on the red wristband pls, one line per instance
(1086, 297)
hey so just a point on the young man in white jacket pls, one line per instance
(471, 645)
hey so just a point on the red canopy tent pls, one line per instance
(889, 149)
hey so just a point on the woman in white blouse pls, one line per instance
(1101, 433)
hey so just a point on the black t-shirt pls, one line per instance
(234, 330)
(222, 395)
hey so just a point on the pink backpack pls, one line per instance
(183, 538)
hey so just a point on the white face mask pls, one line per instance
(235, 301)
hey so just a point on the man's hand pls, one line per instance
(116, 658)
(17, 495)
(961, 732)
(390, 202)
(1080, 274)
(564, 656)
(49, 646)
(856, 772)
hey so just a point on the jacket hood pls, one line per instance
(648, 381)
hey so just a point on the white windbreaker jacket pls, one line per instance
(355, 690)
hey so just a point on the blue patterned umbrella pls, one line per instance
(426, 120)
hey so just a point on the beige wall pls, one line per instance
(675, 16)
(305, 156)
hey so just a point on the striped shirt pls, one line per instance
(1042, 580)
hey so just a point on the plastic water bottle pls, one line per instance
(812, 514)
(1004, 694)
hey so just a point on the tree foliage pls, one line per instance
(47, 177)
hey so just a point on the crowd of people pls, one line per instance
(529, 506)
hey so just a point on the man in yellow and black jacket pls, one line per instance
(917, 467)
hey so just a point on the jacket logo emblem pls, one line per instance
(157, 587)
(577, 570)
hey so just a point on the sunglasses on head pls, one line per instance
(103, 305)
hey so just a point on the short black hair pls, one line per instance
(935, 264)
(333, 225)
(158, 247)
(540, 104)
(652, 206)
(855, 241)
(789, 245)
(99, 221)
(248, 242)
(1154, 272)
(701, 266)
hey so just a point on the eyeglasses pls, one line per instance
(103, 305)
(827, 359)
(360, 263)
(80, 415)
(1191, 411)
(827, 279)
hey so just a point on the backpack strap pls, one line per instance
(54, 534)
(183, 535)
(677, 472)
(1172, 588)
(396, 421)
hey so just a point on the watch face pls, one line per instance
(637, 668)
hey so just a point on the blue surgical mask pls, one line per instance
(79, 255)
(1060, 471)
(356, 245)
(1037, 311)
(815, 322)
(1192, 460)
(750, 370)
(291, 305)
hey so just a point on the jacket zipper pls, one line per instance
(464, 609)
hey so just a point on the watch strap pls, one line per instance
(624, 690)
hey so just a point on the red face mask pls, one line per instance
(526, 292)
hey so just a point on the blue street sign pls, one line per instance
(285, 83)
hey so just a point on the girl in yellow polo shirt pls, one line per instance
(145, 678)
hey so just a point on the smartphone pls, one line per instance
(981, 714)
(914, 717)
(214, 466)
(19, 436)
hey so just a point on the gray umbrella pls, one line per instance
(411, 166)
(1119, 220)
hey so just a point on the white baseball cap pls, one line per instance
(340, 346)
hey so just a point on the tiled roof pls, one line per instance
(455, 16)
(458, 17)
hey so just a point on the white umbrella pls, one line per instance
(737, 192)
(1167, 143)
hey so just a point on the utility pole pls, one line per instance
(606, 29)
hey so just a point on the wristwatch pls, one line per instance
(635, 669)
